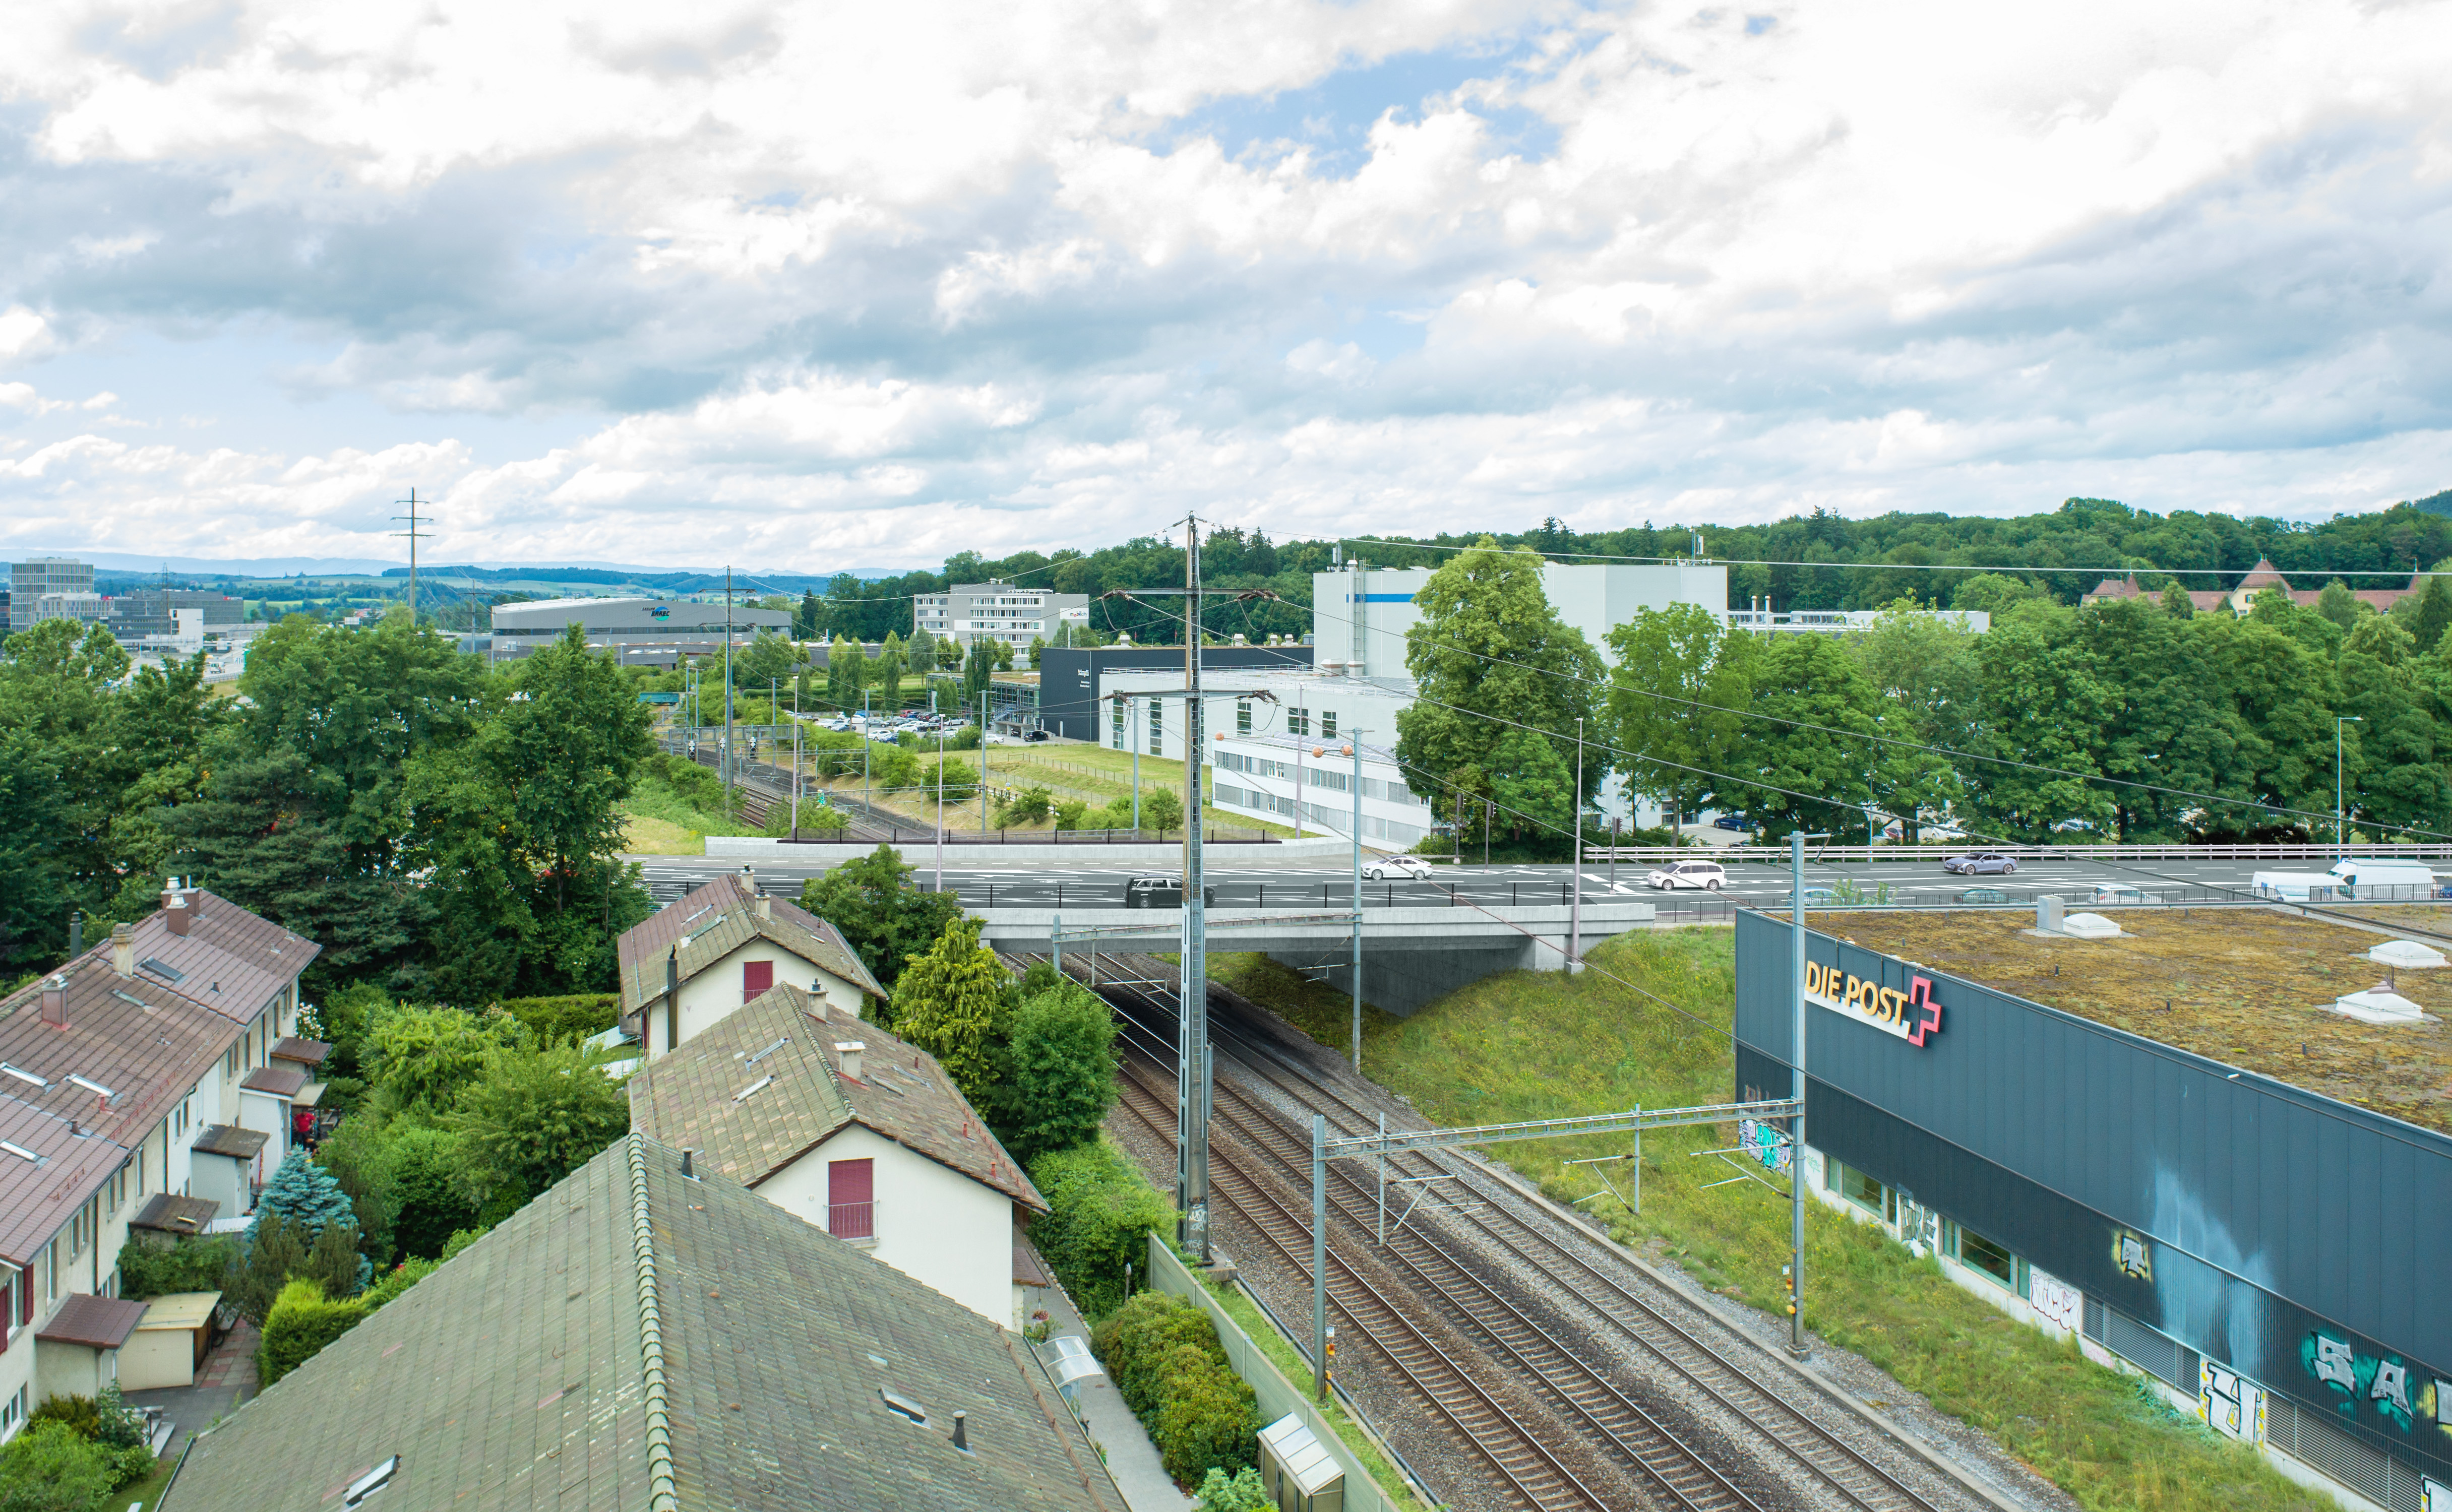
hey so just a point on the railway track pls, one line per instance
(1453, 1278)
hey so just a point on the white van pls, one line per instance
(2293, 887)
(2384, 880)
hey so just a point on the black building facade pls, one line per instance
(1068, 677)
(2205, 1213)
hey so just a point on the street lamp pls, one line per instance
(2338, 811)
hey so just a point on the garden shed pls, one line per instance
(169, 1344)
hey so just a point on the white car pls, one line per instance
(1705, 875)
(1396, 869)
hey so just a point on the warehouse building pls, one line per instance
(639, 632)
(1360, 613)
(1066, 700)
(2271, 1254)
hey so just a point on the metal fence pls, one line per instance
(2400, 851)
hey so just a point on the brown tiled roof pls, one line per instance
(697, 1097)
(1027, 1268)
(145, 1042)
(98, 1323)
(37, 1195)
(281, 1081)
(519, 1376)
(305, 1051)
(167, 1212)
(229, 960)
(718, 918)
(229, 1139)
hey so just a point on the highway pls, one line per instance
(1035, 883)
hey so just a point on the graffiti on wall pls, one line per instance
(2383, 1385)
(2056, 1301)
(1763, 1140)
(2132, 1255)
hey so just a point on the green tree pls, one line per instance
(1161, 810)
(2432, 617)
(978, 666)
(534, 1117)
(1813, 746)
(2176, 603)
(1489, 654)
(885, 917)
(1062, 1075)
(846, 674)
(808, 621)
(50, 1468)
(1532, 785)
(1038, 649)
(1676, 701)
(307, 1195)
(887, 674)
(2045, 697)
(2338, 604)
(767, 660)
(425, 1056)
(2392, 755)
(948, 1001)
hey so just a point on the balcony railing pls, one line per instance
(852, 1220)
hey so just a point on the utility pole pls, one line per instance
(1356, 747)
(415, 536)
(1193, 1070)
(1133, 735)
(983, 768)
(1576, 871)
(940, 792)
(1796, 839)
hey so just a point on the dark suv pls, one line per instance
(1158, 891)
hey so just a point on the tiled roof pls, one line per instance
(229, 960)
(281, 1081)
(521, 1376)
(229, 1139)
(718, 918)
(305, 1051)
(699, 1096)
(37, 1195)
(98, 1323)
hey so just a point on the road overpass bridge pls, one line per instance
(1410, 956)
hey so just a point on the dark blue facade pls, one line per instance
(1068, 676)
(2302, 1242)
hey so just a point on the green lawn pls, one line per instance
(141, 1496)
(1527, 1044)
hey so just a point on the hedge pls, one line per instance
(1163, 1355)
(1100, 1207)
(300, 1324)
(563, 1019)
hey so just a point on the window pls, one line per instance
(1979, 1253)
(851, 1199)
(12, 1413)
(1118, 727)
(1299, 721)
(1328, 722)
(1863, 1190)
(756, 977)
(1157, 728)
(1242, 716)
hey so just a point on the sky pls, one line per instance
(801, 287)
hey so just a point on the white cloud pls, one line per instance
(824, 283)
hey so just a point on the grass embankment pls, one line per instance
(672, 808)
(1527, 1044)
(2255, 992)
(1281, 1354)
(1092, 774)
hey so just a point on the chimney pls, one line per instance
(55, 1000)
(766, 907)
(847, 1053)
(961, 1432)
(175, 913)
(687, 1174)
(123, 950)
(76, 933)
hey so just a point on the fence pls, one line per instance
(2023, 853)
(1277, 1396)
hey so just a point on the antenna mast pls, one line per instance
(414, 536)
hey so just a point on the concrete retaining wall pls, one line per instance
(1021, 855)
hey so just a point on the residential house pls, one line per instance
(856, 1131)
(690, 964)
(649, 1335)
(148, 1084)
(2242, 598)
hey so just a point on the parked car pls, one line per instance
(1984, 894)
(2112, 893)
(1820, 898)
(1707, 876)
(1156, 890)
(1730, 821)
(1034, 737)
(1976, 863)
(1396, 869)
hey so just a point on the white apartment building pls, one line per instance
(147, 1085)
(1762, 621)
(1004, 612)
(1361, 614)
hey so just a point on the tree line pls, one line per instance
(2137, 719)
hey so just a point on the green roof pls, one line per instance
(635, 1339)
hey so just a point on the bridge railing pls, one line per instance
(1820, 853)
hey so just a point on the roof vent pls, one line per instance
(768, 1050)
(369, 1483)
(55, 1000)
(20, 1151)
(753, 1088)
(848, 1052)
(903, 1404)
(97, 1088)
(22, 1074)
(962, 1420)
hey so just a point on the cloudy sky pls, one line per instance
(804, 286)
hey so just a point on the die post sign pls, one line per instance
(1912, 1015)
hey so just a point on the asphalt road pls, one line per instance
(1036, 883)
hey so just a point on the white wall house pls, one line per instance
(1361, 614)
(692, 964)
(121, 1076)
(859, 1133)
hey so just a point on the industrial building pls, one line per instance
(31, 582)
(639, 632)
(1360, 613)
(2269, 1253)
(1760, 619)
(971, 612)
(1066, 698)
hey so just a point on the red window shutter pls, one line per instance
(851, 1198)
(756, 977)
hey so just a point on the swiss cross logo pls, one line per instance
(1924, 1014)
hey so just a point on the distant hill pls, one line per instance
(656, 580)
(2435, 503)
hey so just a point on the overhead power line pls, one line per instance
(1891, 566)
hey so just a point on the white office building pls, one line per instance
(1763, 621)
(1309, 783)
(970, 612)
(31, 582)
(1360, 613)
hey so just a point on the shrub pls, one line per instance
(272, 1254)
(422, 1056)
(1062, 1078)
(1161, 810)
(77, 1414)
(1029, 806)
(1163, 1355)
(389, 1286)
(1245, 1492)
(311, 1199)
(301, 1323)
(425, 1165)
(148, 1268)
(534, 1117)
(117, 1425)
(1068, 814)
(48, 1468)
(554, 1020)
(1100, 1207)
